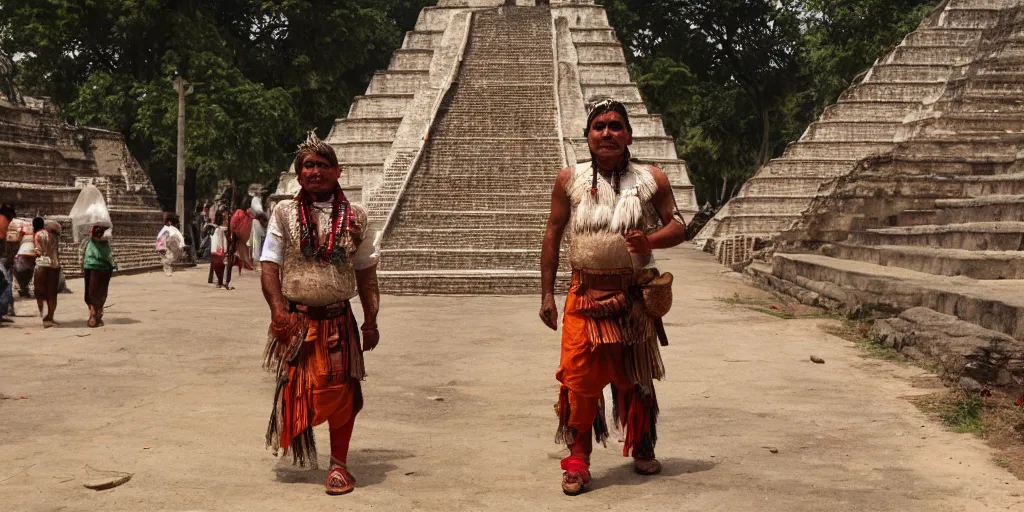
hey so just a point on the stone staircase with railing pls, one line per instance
(473, 212)
(937, 222)
(864, 122)
(43, 165)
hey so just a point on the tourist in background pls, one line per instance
(219, 247)
(25, 259)
(7, 215)
(97, 267)
(170, 243)
(47, 274)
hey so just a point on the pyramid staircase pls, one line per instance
(455, 148)
(938, 221)
(44, 163)
(864, 122)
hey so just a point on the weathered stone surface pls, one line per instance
(963, 350)
(44, 163)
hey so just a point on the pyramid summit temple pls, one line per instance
(455, 147)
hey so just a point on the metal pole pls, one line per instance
(179, 204)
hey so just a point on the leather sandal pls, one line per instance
(340, 481)
(646, 467)
(576, 476)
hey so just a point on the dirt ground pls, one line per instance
(171, 391)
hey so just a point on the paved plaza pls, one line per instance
(459, 411)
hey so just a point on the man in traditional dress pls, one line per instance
(618, 211)
(318, 255)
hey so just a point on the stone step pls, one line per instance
(423, 39)
(969, 18)
(466, 237)
(961, 148)
(435, 258)
(472, 198)
(364, 129)
(797, 167)
(904, 91)
(647, 125)
(624, 92)
(975, 236)
(835, 150)
(367, 151)
(973, 125)
(593, 35)
(943, 37)
(396, 82)
(938, 261)
(762, 185)
(993, 208)
(443, 219)
(942, 55)
(380, 105)
(865, 131)
(582, 15)
(755, 225)
(604, 73)
(602, 52)
(995, 305)
(891, 111)
(768, 205)
(525, 282)
(896, 73)
(411, 59)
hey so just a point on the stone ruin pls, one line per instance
(44, 163)
(907, 197)
(455, 147)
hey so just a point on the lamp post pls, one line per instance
(179, 202)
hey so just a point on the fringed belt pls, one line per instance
(328, 312)
(616, 279)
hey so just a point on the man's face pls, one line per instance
(608, 136)
(317, 175)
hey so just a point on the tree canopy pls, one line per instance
(260, 73)
(737, 80)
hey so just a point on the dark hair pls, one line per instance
(322, 150)
(172, 220)
(608, 106)
(7, 210)
(218, 218)
(38, 223)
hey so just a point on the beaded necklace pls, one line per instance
(308, 232)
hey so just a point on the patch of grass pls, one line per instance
(1002, 462)
(965, 416)
(859, 333)
(779, 307)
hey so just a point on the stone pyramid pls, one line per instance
(864, 122)
(44, 163)
(933, 227)
(455, 148)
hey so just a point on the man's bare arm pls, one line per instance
(270, 278)
(369, 295)
(561, 210)
(673, 231)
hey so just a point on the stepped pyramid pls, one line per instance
(44, 163)
(936, 221)
(455, 148)
(864, 122)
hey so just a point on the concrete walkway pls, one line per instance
(171, 391)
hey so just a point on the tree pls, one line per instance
(261, 72)
(736, 80)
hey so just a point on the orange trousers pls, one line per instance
(584, 370)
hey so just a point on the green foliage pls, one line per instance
(260, 73)
(965, 415)
(737, 80)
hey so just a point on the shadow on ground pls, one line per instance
(624, 474)
(370, 467)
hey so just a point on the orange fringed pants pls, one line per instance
(323, 386)
(584, 370)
